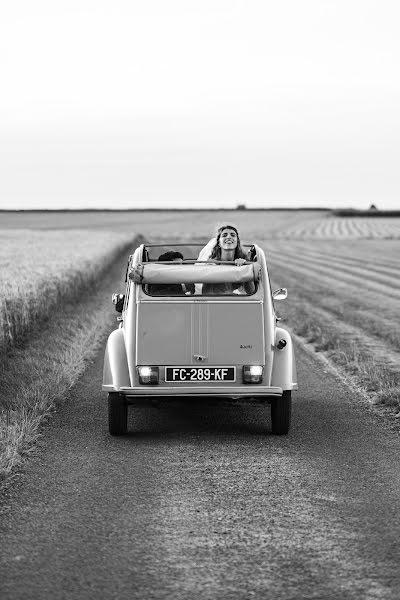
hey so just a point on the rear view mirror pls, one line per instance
(280, 294)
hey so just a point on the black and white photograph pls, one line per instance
(200, 300)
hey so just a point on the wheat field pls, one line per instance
(39, 269)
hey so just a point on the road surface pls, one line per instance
(201, 501)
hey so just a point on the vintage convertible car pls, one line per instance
(179, 337)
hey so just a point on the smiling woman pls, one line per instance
(226, 247)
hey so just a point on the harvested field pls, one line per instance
(167, 223)
(337, 228)
(344, 298)
(38, 270)
(270, 224)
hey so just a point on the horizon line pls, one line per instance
(176, 209)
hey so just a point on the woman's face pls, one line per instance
(228, 239)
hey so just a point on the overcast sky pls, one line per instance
(189, 103)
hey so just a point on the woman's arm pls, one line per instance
(249, 286)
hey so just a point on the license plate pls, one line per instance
(182, 374)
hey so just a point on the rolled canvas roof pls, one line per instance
(194, 273)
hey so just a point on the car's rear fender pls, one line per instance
(284, 373)
(115, 372)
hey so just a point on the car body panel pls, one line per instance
(116, 372)
(175, 333)
(233, 392)
(284, 371)
(164, 333)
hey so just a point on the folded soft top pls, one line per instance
(194, 273)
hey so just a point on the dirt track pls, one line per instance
(201, 501)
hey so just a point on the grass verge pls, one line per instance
(373, 369)
(37, 375)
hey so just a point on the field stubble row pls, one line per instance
(326, 269)
(345, 299)
(343, 228)
(346, 310)
(360, 258)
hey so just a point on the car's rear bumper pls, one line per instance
(248, 391)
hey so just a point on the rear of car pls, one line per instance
(186, 343)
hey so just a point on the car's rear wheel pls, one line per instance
(117, 414)
(281, 413)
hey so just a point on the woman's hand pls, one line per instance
(239, 262)
(136, 273)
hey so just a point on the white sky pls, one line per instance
(199, 103)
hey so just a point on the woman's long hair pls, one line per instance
(216, 253)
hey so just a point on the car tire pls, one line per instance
(117, 414)
(281, 413)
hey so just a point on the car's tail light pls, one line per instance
(148, 375)
(281, 344)
(252, 374)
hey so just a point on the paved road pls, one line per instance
(201, 501)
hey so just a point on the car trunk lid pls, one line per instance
(186, 332)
